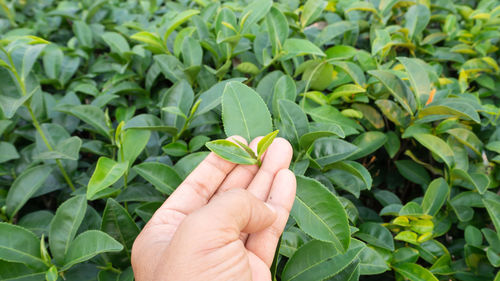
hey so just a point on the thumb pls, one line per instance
(236, 210)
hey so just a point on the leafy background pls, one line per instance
(390, 105)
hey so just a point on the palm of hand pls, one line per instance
(222, 253)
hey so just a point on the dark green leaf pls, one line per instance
(25, 186)
(64, 226)
(320, 214)
(163, 177)
(87, 245)
(244, 113)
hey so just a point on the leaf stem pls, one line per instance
(22, 85)
(49, 147)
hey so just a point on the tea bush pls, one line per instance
(390, 105)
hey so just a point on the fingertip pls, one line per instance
(284, 145)
(288, 175)
(279, 155)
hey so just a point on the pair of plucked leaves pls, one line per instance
(239, 152)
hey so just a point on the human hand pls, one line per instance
(216, 226)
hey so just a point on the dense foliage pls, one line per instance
(390, 105)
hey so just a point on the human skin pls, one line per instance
(222, 223)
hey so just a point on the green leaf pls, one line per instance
(368, 143)
(494, 146)
(178, 148)
(405, 255)
(52, 274)
(393, 112)
(25, 186)
(468, 138)
(106, 173)
(38, 222)
(413, 172)
(64, 226)
(153, 41)
(473, 236)
(356, 169)
(318, 260)
(306, 259)
(83, 33)
(376, 235)
(407, 236)
(117, 43)
(149, 122)
(52, 61)
(171, 67)
(9, 152)
(10, 271)
(346, 90)
(320, 214)
(212, 97)
(418, 78)
(134, 142)
(11, 98)
(414, 272)
(437, 146)
(118, 223)
(306, 140)
(417, 17)
(353, 70)
(294, 121)
(477, 181)
(244, 113)
(253, 13)
(329, 150)
(295, 47)
(265, 142)
(179, 19)
(29, 57)
(397, 88)
(311, 11)
(87, 245)
(231, 152)
(91, 115)
(435, 196)
(393, 144)
(192, 54)
(66, 149)
(277, 27)
(20, 245)
(450, 107)
(284, 89)
(180, 96)
(371, 262)
(163, 177)
(248, 68)
(492, 204)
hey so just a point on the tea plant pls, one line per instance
(390, 106)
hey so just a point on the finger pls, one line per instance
(263, 243)
(241, 175)
(278, 157)
(230, 213)
(260, 271)
(195, 191)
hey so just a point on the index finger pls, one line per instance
(195, 191)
